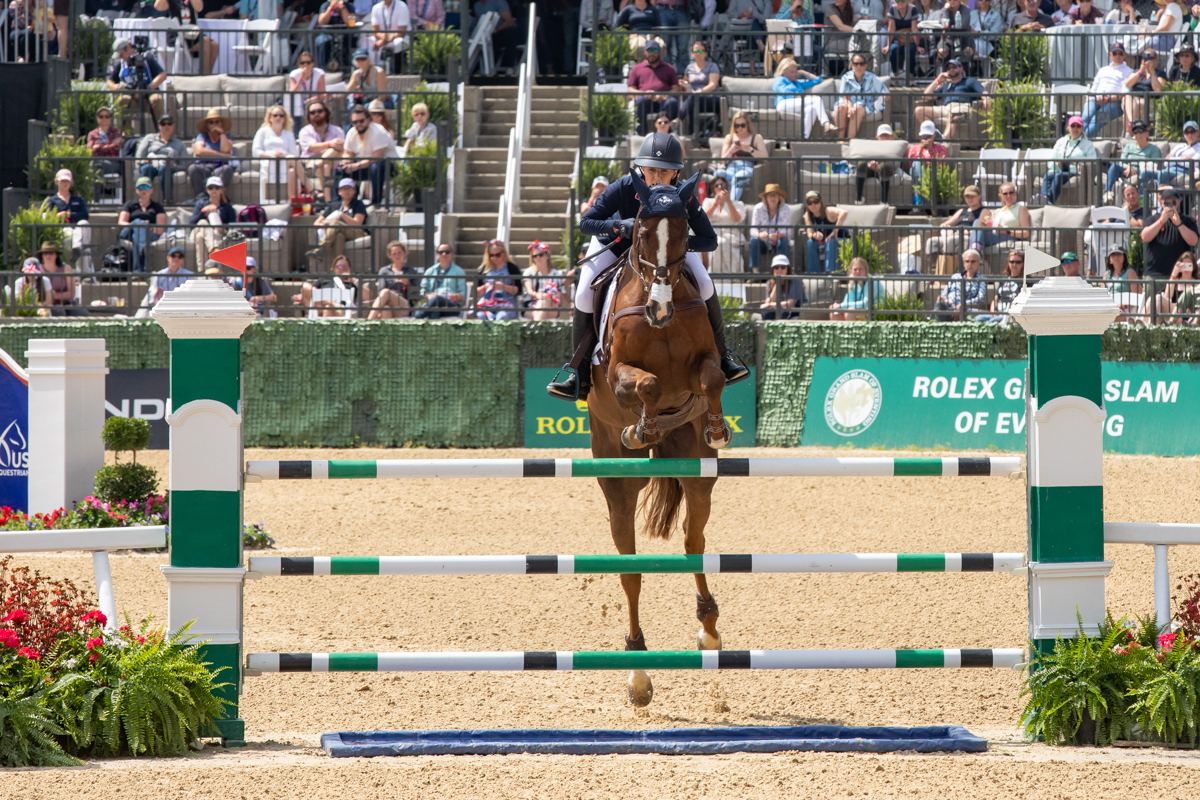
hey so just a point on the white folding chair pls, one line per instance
(1110, 227)
(481, 43)
(266, 48)
(1001, 158)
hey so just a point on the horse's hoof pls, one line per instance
(640, 688)
(706, 642)
(718, 444)
(630, 440)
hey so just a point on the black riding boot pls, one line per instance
(734, 371)
(579, 382)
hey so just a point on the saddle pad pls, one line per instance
(609, 298)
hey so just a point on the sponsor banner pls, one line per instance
(14, 434)
(140, 393)
(976, 404)
(550, 422)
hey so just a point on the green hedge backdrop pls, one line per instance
(458, 384)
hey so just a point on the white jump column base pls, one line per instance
(1058, 592)
(210, 596)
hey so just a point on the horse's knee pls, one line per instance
(648, 387)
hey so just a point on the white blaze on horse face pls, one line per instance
(661, 292)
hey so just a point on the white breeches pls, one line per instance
(811, 107)
(585, 298)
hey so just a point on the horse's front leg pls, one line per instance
(699, 502)
(712, 383)
(636, 387)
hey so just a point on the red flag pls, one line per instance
(234, 257)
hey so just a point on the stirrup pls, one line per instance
(557, 388)
(742, 373)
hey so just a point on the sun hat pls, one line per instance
(49, 247)
(780, 261)
(773, 188)
(213, 113)
(928, 128)
(64, 174)
(31, 266)
(377, 105)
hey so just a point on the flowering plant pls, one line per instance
(256, 536)
(35, 610)
(1187, 605)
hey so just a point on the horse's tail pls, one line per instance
(661, 506)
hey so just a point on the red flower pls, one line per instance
(30, 653)
(1167, 639)
(17, 615)
(141, 640)
(96, 615)
(92, 658)
(9, 638)
(92, 644)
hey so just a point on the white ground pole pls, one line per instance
(96, 540)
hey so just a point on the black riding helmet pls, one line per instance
(660, 151)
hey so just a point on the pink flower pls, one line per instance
(92, 658)
(92, 644)
(17, 615)
(96, 615)
(9, 638)
(1167, 639)
(1121, 651)
(30, 653)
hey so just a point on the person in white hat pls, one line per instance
(783, 295)
(599, 184)
(210, 216)
(928, 149)
(874, 168)
(72, 210)
(343, 221)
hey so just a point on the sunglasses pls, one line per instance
(812, 202)
(497, 254)
(858, 63)
(1016, 261)
(925, 136)
(699, 50)
(360, 121)
(541, 254)
(741, 125)
(1069, 261)
(166, 124)
(305, 63)
(175, 255)
(444, 252)
(278, 115)
(312, 111)
(1008, 191)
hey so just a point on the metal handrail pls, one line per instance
(518, 138)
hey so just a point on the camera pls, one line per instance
(136, 79)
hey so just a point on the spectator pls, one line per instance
(1181, 154)
(862, 94)
(1085, 13)
(159, 153)
(963, 292)
(390, 20)
(953, 96)
(771, 221)
(1117, 266)
(1006, 292)
(662, 124)
(505, 37)
(1185, 68)
(1123, 282)
(1011, 218)
(275, 145)
(427, 14)
(1170, 21)
(422, 130)
(599, 184)
(1140, 149)
(105, 142)
(928, 149)
(1105, 96)
(1166, 235)
(392, 291)
(210, 216)
(902, 19)
(137, 86)
(71, 210)
(63, 302)
(1123, 14)
(1031, 19)
(1072, 147)
(187, 14)
(214, 150)
(1062, 14)
(496, 299)
(169, 277)
(671, 14)
(958, 45)
(954, 231)
(640, 16)
(883, 170)
(988, 20)
(822, 229)
(854, 303)
(258, 290)
(701, 81)
(971, 212)
(342, 279)
(334, 16)
(543, 284)
(783, 295)
(306, 84)
(32, 278)
(444, 288)
(798, 12)
(141, 222)
(1177, 300)
(379, 116)
(344, 220)
(1148, 78)
(841, 17)
(1069, 264)
(1133, 204)
(790, 86)
(742, 146)
(726, 215)
(368, 80)
(367, 144)
(320, 143)
(655, 80)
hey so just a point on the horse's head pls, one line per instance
(660, 243)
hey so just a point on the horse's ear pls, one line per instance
(688, 189)
(639, 185)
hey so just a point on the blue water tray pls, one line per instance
(669, 741)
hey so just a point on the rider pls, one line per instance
(660, 159)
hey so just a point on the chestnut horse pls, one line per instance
(658, 387)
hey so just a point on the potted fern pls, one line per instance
(1178, 103)
(1022, 58)
(613, 53)
(1019, 114)
(58, 153)
(939, 188)
(609, 115)
(432, 48)
(31, 227)
(862, 245)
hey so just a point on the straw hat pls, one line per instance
(49, 247)
(377, 105)
(213, 113)
(773, 188)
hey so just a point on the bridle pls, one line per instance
(662, 272)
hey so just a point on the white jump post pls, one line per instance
(66, 418)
